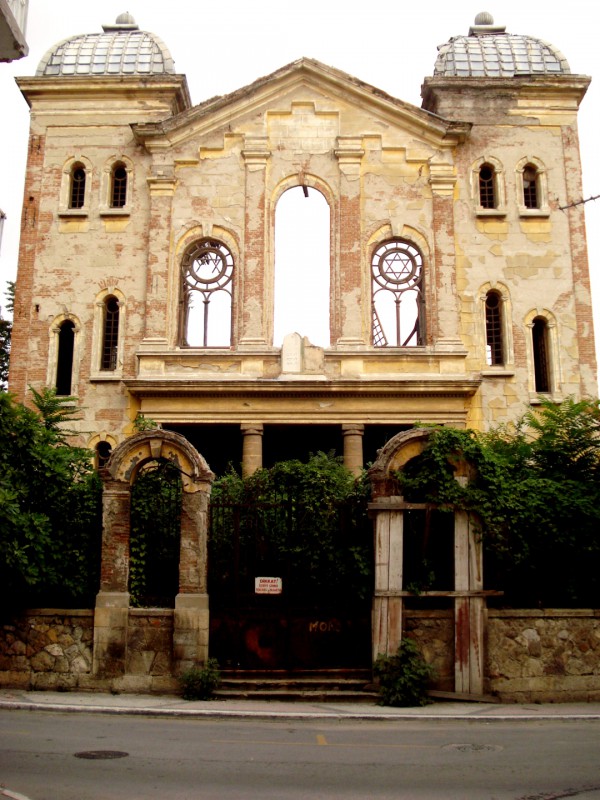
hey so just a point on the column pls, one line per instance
(252, 454)
(191, 615)
(347, 327)
(469, 611)
(256, 316)
(112, 602)
(387, 602)
(353, 447)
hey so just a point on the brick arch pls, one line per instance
(190, 624)
(128, 458)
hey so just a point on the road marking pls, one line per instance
(321, 739)
(13, 795)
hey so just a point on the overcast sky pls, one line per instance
(221, 47)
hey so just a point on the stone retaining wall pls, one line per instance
(531, 656)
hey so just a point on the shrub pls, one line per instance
(403, 678)
(199, 683)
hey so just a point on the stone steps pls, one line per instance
(334, 686)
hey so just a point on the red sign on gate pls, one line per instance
(268, 585)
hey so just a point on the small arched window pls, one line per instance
(103, 453)
(77, 186)
(531, 187)
(397, 295)
(110, 334)
(541, 355)
(118, 186)
(206, 295)
(487, 186)
(494, 340)
(64, 364)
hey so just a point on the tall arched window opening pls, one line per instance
(397, 295)
(64, 365)
(531, 192)
(118, 186)
(487, 187)
(110, 334)
(541, 354)
(77, 186)
(493, 329)
(207, 286)
(302, 266)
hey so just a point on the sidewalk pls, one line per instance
(170, 705)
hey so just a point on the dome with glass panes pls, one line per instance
(489, 52)
(121, 49)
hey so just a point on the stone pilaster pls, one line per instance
(347, 290)
(256, 326)
(161, 185)
(442, 298)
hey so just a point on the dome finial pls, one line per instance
(484, 23)
(124, 22)
(484, 18)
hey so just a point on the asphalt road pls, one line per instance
(54, 756)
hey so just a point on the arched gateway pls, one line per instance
(390, 513)
(190, 620)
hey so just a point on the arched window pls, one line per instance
(397, 295)
(64, 364)
(488, 194)
(206, 295)
(494, 339)
(531, 187)
(77, 186)
(541, 355)
(110, 334)
(118, 186)
(103, 451)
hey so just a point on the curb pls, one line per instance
(258, 714)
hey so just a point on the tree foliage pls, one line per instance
(5, 337)
(50, 514)
(535, 491)
(308, 521)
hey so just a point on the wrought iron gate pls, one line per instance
(314, 614)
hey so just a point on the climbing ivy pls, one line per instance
(534, 491)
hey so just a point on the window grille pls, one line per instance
(397, 295)
(77, 195)
(207, 271)
(118, 193)
(110, 338)
(493, 329)
(530, 187)
(487, 187)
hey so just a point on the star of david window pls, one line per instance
(206, 296)
(397, 295)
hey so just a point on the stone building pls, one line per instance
(458, 288)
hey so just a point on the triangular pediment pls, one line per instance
(311, 81)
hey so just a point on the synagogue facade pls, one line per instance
(457, 278)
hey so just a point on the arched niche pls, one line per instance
(190, 634)
(388, 509)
